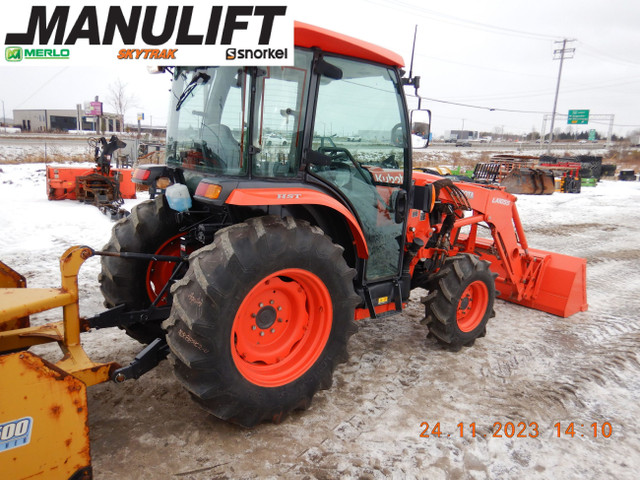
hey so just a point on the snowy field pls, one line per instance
(23, 148)
(532, 369)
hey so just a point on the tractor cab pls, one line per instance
(292, 130)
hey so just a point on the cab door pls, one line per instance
(359, 135)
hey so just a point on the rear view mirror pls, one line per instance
(420, 128)
(328, 70)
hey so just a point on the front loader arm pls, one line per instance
(542, 280)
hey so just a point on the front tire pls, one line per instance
(261, 319)
(460, 301)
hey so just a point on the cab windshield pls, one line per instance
(207, 120)
(213, 128)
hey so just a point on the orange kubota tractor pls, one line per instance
(251, 268)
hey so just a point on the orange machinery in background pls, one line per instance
(76, 183)
(100, 185)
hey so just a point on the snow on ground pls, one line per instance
(532, 369)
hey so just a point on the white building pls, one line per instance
(46, 120)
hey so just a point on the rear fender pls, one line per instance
(300, 196)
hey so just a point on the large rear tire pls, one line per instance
(460, 301)
(151, 228)
(261, 319)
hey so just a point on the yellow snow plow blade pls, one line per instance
(12, 279)
(43, 407)
(43, 420)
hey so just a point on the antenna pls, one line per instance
(411, 80)
(413, 51)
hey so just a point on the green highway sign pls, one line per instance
(578, 117)
(592, 135)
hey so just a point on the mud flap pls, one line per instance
(44, 430)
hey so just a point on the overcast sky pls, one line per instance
(490, 54)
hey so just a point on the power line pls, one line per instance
(540, 93)
(44, 84)
(515, 95)
(607, 56)
(482, 67)
(424, 12)
(479, 107)
(496, 109)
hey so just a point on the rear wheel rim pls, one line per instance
(472, 306)
(159, 273)
(281, 327)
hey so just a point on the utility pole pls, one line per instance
(559, 54)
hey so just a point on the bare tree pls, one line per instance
(120, 99)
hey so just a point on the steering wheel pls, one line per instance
(397, 136)
(337, 154)
(390, 162)
(212, 159)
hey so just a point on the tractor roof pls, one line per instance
(310, 36)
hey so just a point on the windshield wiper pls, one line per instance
(195, 81)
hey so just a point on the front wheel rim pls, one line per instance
(281, 328)
(472, 306)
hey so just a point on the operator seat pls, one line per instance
(222, 143)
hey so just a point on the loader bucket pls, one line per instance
(555, 283)
(43, 420)
(560, 287)
(532, 181)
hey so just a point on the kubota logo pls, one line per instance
(13, 54)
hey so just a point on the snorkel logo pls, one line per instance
(257, 53)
